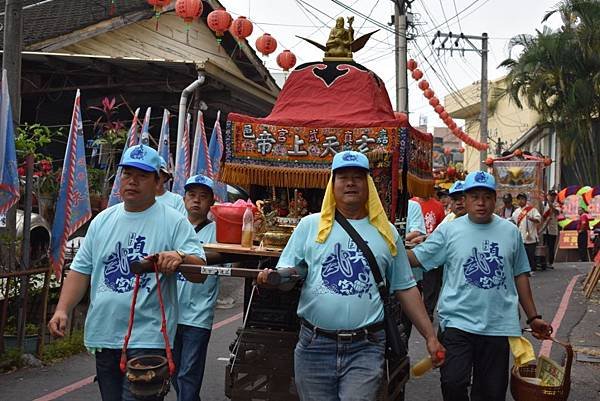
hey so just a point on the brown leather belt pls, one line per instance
(345, 335)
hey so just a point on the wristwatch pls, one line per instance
(181, 254)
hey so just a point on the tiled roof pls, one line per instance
(52, 18)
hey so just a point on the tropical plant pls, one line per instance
(111, 136)
(557, 74)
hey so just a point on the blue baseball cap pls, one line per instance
(142, 157)
(199, 180)
(480, 179)
(457, 187)
(349, 158)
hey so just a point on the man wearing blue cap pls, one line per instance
(196, 301)
(134, 229)
(457, 202)
(341, 348)
(163, 194)
(485, 278)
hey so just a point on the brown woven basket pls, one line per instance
(524, 391)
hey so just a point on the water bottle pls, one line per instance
(247, 227)
(425, 365)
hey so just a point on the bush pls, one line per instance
(63, 348)
(11, 360)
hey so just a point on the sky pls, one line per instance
(500, 19)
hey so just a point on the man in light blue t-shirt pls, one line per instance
(341, 348)
(163, 195)
(485, 279)
(134, 229)
(196, 301)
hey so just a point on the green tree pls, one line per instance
(557, 74)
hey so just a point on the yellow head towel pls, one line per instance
(377, 215)
(521, 349)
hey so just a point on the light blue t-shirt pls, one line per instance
(114, 239)
(480, 262)
(415, 222)
(339, 292)
(174, 200)
(197, 301)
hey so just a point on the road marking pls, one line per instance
(89, 380)
(65, 390)
(560, 314)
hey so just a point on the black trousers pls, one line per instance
(550, 241)
(484, 359)
(530, 249)
(582, 243)
(432, 284)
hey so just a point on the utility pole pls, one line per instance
(483, 52)
(400, 53)
(11, 62)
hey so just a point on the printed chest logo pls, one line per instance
(346, 272)
(117, 275)
(430, 221)
(485, 269)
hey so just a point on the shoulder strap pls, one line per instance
(366, 250)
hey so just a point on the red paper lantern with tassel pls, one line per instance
(451, 125)
(411, 64)
(266, 44)
(461, 150)
(159, 4)
(489, 161)
(547, 161)
(286, 60)
(423, 84)
(417, 74)
(428, 93)
(438, 109)
(443, 115)
(434, 101)
(219, 21)
(188, 9)
(241, 28)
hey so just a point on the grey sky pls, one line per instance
(501, 19)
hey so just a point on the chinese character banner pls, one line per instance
(288, 156)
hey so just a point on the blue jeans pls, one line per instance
(189, 353)
(113, 384)
(332, 370)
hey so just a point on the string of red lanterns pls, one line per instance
(189, 10)
(434, 102)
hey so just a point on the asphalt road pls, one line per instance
(70, 380)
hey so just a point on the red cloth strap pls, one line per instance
(163, 326)
(523, 213)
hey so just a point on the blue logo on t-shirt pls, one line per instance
(345, 272)
(117, 275)
(485, 269)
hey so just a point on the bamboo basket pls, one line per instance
(525, 391)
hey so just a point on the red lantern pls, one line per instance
(439, 108)
(489, 161)
(547, 161)
(219, 21)
(434, 101)
(428, 93)
(188, 9)
(447, 151)
(518, 152)
(451, 172)
(448, 120)
(451, 125)
(443, 115)
(402, 117)
(286, 60)
(241, 28)
(461, 150)
(423, 85)
(411, 64)
(417, 74)
(159, 4)
(266, 44)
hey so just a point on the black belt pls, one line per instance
(345, 335)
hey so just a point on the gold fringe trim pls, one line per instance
(417, 186)
(244, 175)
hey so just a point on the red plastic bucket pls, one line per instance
(229, 223)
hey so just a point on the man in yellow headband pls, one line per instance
(341, 348)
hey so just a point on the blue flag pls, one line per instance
(73, 203)
(183, 159)
(201, 163)
(163, 142)
(145, 135)
(130, 141)
(215, 153)
(9, 177)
